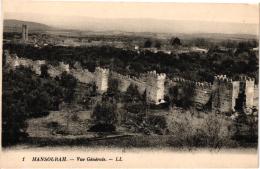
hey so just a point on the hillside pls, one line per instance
(12, 25)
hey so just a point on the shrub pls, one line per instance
(102, 128)
(105, 113)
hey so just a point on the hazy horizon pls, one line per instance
(138, 17)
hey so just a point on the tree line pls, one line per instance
(193, 66)
(26, 96)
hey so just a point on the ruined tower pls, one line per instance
(101, 79)
(37, 66)
(10, 60)
(224, 94)
(155, 87)
(25, 33)
(14, 61)
(248, 85)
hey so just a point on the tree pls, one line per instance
(132, 94)
(240, 102)
(105, 113)
(91, 89)
(212, 125)
(13, 120)
(157, 44)
(25, 96)
(38, 102)
(173, 95)
(186, 65)
(182, 95)
(137, 67)
(252, 122)
(157, 123)
(241, 118)
(136, 108)
(175, 41)
(44, 71)
(148, 43)
(69, 82)
(55, 92)
(113, 87)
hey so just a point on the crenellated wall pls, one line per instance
(202, 90)
(223, 92)
(83, 75)
(151, 82)
(14, 61)
(37, 66)
(54, 71)
(125, 81)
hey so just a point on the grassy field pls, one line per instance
(63, 120)
(187, 129)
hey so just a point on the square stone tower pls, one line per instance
(224, 94)
(101, 79)
(155, 87)
(248, 87)
(25, 33)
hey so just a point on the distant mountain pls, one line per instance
(12, 25)
(156, 26)
(139, 27)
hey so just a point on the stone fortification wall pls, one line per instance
(37, 66)
(14, 61)
(83, 75)
(58, 70)
(151, 82)
(54, 71)
(202, 90)
(224, 91)
(125, 81)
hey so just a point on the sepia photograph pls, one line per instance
(129, 76)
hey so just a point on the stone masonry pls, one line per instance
(155, 87)
(226, 92)
(223, 92)
(101, 79)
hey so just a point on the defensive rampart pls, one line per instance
(224, 91)
(202, 90)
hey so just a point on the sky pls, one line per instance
(65, 13)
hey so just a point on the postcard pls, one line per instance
(129, 84)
